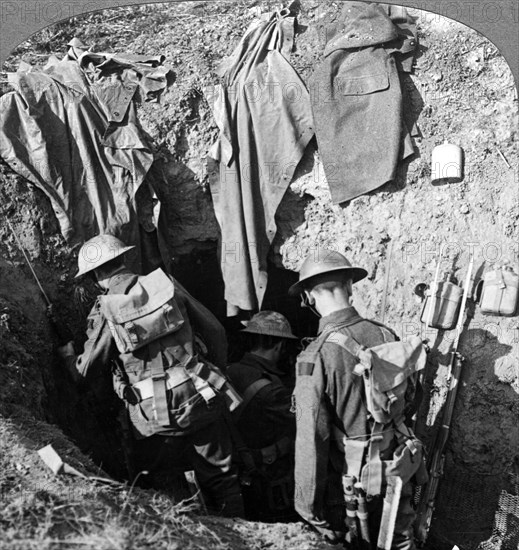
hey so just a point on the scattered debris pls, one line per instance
(56, 464)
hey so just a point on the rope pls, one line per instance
(49, 303)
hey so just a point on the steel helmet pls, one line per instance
(98, 251)
(270, 323)
(324, 261)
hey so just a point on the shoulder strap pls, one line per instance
(249, 393)
(381, 325)
(333, 329)
(238, 441)
(347, 342)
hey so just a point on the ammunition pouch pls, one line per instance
(268, 474)
(268, 455)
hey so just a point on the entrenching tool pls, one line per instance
(389, 513)
(438, 450)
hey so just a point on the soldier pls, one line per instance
(265, 426)
(141, 329)
(333, 422)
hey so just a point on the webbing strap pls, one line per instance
(249, 394)
(372, 483)
(346, 342)
(195, 371)
(354, 451)
(175, 376)
(158, 376)
(244, 452)
(499, 293)
(202, 386)
(217, 380)
(182, 356)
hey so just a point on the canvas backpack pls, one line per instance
(147, 314)
(387, 370)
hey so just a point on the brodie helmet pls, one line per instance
(270, 323)
(324, 261)
(98, 251)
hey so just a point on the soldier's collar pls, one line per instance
(338, 317)
(265, 364)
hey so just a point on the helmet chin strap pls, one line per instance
(305, 302)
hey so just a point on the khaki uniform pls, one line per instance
(330, 401)
(267, 428)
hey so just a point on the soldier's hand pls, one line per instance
(333, 537)
(66, 351)
(130, 395)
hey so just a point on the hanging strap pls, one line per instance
(372, 481)
(249, 393)
(500, 290)
(244, 452)
(158, 377)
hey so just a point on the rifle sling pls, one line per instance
(249, 393)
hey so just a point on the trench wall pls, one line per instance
(462, 91)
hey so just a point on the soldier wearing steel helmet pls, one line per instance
(168, 389)
(333, 423)
(264, 421)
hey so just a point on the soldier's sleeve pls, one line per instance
(99, 349)
(276, 408)
(120, 380)
(206, 325)
(312, 439)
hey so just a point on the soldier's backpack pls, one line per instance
(388, 371)
(146, 313)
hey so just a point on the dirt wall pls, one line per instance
(462, 91)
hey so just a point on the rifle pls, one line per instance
(437, 457)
